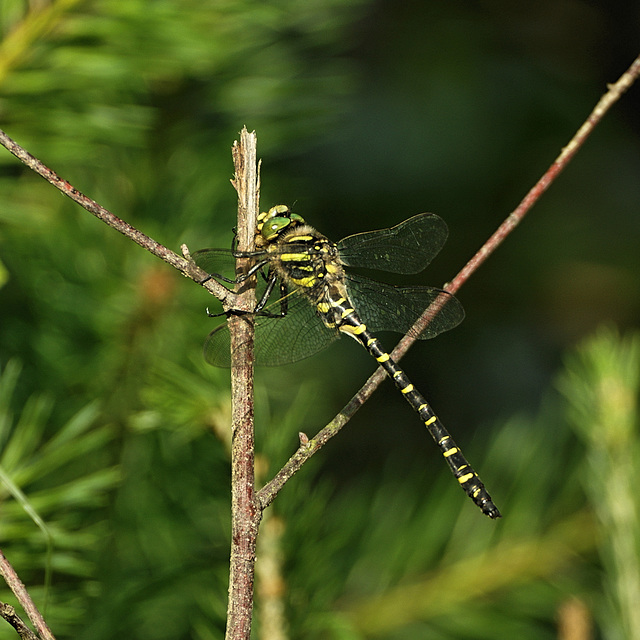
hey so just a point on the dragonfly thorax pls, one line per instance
(308, 262)
(305, 259)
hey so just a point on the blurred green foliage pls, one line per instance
(114, 433)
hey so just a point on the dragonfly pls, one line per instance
(309, 298)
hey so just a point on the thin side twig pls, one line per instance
(184, 265)
(308, 447)
(8, 613)
(20, 592)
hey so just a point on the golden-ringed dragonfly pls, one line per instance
(316, 300)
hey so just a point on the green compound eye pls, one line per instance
(277, 219)
(272, 228)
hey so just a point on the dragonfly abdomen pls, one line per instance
(351, 324)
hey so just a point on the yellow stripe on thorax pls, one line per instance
(295, 257)
(294, 239)
(307, 282)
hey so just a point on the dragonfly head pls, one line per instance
(273, 222)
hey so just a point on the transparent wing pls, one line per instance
(216, 261)
(406, 248)
(222, 262)
(383, 307)
(297, 335)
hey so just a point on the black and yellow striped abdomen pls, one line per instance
(461, 469)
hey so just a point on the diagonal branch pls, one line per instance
(309, 447)
(185, 265)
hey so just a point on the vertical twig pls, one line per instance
(246, 512)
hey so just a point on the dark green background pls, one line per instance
(366, 113)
